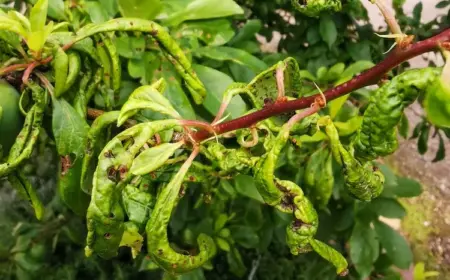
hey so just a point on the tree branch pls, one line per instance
(369, 77)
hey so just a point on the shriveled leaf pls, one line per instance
(131, 238)
(147, 97)
(364, 248)
(153, 158)
(69, 129)
(331, 255)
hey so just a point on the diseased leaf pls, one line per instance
(64, 38)
(331, 255)
(147, 97)
(364, 248)
(403, 127)
(153, 158)
(69, 129)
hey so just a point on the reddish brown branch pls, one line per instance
(369, 77)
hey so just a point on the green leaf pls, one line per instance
(232, 54)
(216, 83)
(223, 244)
(422, 144)
(236, 265)
(364, 248)
(331, 255)
(442, 4)
(130, 46)
(349, 127)
(110, 6)
(395, 245)
(356, 68)
(64, 38)
(55, 9)
(96, 12)
(60, 67)
(387, 207)
(145, 9)
(69, 129)
(220, 222)
(215, 32)
(335, 71)
(38, 15)
(407, 187)
(417, 11)
(437, 102)
(153, 158)
(245, 185)
(440, 154)
(37, 39)
(403, 127)
(246, 236)
(328, 30)
(147, 97)
(247, 32)
(204, 9)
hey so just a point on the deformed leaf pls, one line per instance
(331, 255)
(69, 128)
(64, 38)
(153, 158)
(147, 97)
(131, 238)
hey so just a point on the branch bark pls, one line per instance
(369, 77)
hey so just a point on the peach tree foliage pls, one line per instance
(155, 138)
